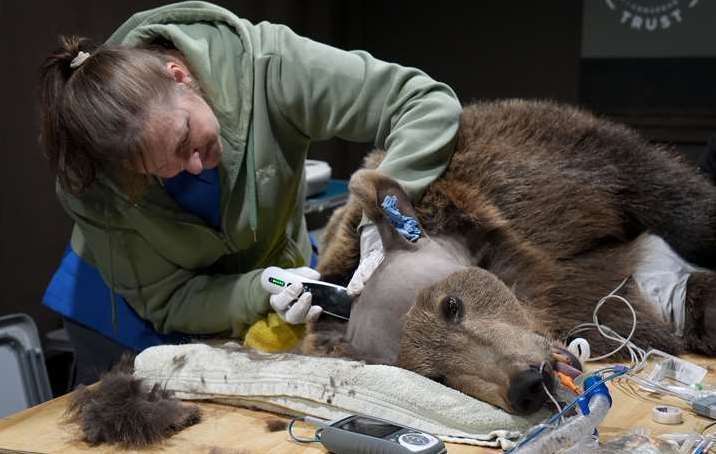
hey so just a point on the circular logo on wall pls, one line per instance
(651, 15)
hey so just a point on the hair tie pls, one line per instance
(79, 59)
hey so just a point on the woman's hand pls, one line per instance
(293, 304)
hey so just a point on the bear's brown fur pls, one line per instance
(549, 200)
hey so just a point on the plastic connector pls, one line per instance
(600, 388)
(705, 406)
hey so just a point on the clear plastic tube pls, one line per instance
(574, 431)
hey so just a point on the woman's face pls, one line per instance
(183, 135)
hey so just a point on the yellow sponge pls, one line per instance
(272, 334)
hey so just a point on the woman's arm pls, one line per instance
(326, 92)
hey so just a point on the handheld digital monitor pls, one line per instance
(362, 434)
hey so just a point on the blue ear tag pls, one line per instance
(407, 226)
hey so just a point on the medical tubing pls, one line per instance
(540, 429)
(573, 431)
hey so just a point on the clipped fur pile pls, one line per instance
(276, 425)
(122, 410)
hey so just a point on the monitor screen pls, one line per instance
(369, 427)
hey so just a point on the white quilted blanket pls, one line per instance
(327, 388)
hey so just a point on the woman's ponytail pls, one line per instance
(71, 168)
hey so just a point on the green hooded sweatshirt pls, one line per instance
(273, 93)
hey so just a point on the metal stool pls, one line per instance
(23, 375)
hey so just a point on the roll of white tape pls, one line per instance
(665, 414)
(579, 347)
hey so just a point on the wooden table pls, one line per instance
(230, 430)
(632, 408)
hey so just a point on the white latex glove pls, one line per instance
(371, 255)
(293, 304)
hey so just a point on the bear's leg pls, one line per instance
(673, 201)
(700, 326)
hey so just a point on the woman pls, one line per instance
(179, 147)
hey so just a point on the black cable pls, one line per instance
(708, 426)
(315, 438)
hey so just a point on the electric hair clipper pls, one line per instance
(333, 299)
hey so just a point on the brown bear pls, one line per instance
(539, 215)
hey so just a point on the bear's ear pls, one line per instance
(386, 204)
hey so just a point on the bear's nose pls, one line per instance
(526, 394)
